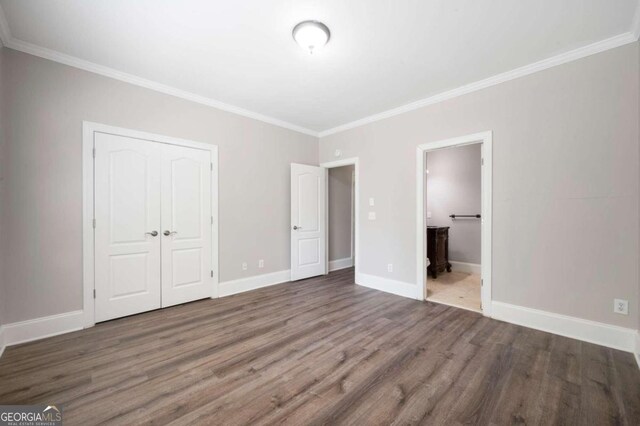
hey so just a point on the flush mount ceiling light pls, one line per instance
(311, 35)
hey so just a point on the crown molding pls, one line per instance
(591, 49)
(620, 40)
(12, 43)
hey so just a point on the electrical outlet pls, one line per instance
(621, 306)
(372, 215)
(372, 202)
(244, 266)
(390, 267)
(261, 263)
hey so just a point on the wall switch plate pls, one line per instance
(244, 266)
(621, 306)
(261, 263)
(372, 202)
(390, 267)
(372, 215)
(337, 153)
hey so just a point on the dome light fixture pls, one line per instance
(311, 35)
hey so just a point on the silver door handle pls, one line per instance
(296, 227)
(167, 233)
(152, 233)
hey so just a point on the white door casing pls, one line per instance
(127, 207)
(308, 221)
(486, 139)
(120, 161)
(187, 272)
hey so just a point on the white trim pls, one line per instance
(579, 53)
(40, 328)
(469, 268)
(241, 285)
(486, 139)
(398, 288)
(576, 328)
(591, 49)
(353, 161)
(336, 265)
(88, 131)
(53, 55)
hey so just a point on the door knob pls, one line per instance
(152, 233)
(167, 232)
(296, 227)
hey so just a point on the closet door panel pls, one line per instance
(127, 213)
(186, 225)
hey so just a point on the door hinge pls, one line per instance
(211, 164)
(481, 283)
(94, 153)
(94, 293)
(212, 273)
(482, 161)
(212, 220)
(94, 224)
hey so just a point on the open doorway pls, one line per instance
(454, 221)
(341, 181)
(452, 214)
(342, 222)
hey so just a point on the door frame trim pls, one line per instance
(88, 189)
(353, 161)
(486, 139)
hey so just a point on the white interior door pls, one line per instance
(186, 225)
(127, 226)
(308, 221)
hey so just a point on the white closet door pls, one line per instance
(308, 226)
(127, 213)
(186, 225)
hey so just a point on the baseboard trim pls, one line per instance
(40, 328)
(399, 288)
(241, 285)
(469, 268)
(336, 265)
(599, 333)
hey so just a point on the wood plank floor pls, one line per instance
(321, 351)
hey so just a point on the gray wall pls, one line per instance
(340, 212)
(453, 186)
(565, 184)
(45, 104)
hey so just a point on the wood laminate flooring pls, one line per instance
(321, 351)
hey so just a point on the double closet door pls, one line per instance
(153, 244)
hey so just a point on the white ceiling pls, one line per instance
(383, 53)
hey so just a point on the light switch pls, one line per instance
(372, 215)
(371, 201)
